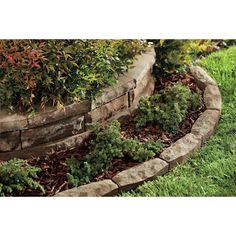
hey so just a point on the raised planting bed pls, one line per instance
(22, 136)
(126, 173)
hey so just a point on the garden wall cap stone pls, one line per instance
(54, 114)
(201, 77)
(136, 175)
(212, 97)
(205, 125)
(12, 122)
(181, 150)
(123, 85)
(95, 189)
(140, 67)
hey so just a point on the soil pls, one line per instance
(54, 168)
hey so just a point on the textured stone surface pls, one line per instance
(49, 148)
(205, 125)
(52, 114)
(141, 66)
(181, 150)
(144, 88)
(108, 94)
(12, 122)
(212, 97)
(52, 131)
(95, 189)
(136, 175)
(10, 141)
(201, 77)
(108, 110)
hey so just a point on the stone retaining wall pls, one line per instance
(179, 152)
(46, 132)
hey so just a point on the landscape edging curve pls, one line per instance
(178, 153)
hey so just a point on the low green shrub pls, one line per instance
(107, 145)
(168, 107)
(34, 73)
(16, 175)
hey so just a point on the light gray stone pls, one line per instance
(151, 51)
(205, 125)
(212, 97)
(95, 189)
(145, 88)
(132, 177)
(181, 150)
(53, 114)
(108, 94)
(141, 67)
(53, 131)
(10, 141)
(108, 110)
(12, 122)
(201, 77)
(49, 148)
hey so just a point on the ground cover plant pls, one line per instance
(168, 107)
(36, 73)
(212, 172)
(107, 145)
(16, 175)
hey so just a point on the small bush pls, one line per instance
(168, 107)
(16, 175)
(38, 72)
(107, 145)
(172, 55)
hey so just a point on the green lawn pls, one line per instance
(212, 171)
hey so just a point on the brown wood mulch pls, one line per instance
(54, 167)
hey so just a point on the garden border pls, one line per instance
(179, 152)
(22, 136)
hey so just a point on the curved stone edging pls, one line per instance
(177, 153)
(53, 130)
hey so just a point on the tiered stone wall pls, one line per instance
(52, 130)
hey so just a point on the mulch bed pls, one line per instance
(54, 168)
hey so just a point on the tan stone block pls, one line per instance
(95, 189)
(12, 122)
(108, 94)
(53, 114)
(10, 141)
(201, 77)
(212, 97)
(132, 177)
(53, 131)
(142, 89)
(106, 111)
(49, 148)
(206, 124)
(181, 150)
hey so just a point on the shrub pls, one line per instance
(168, 107)
(107, 145)
(16, 175)
(172, 55)
(38, 72)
